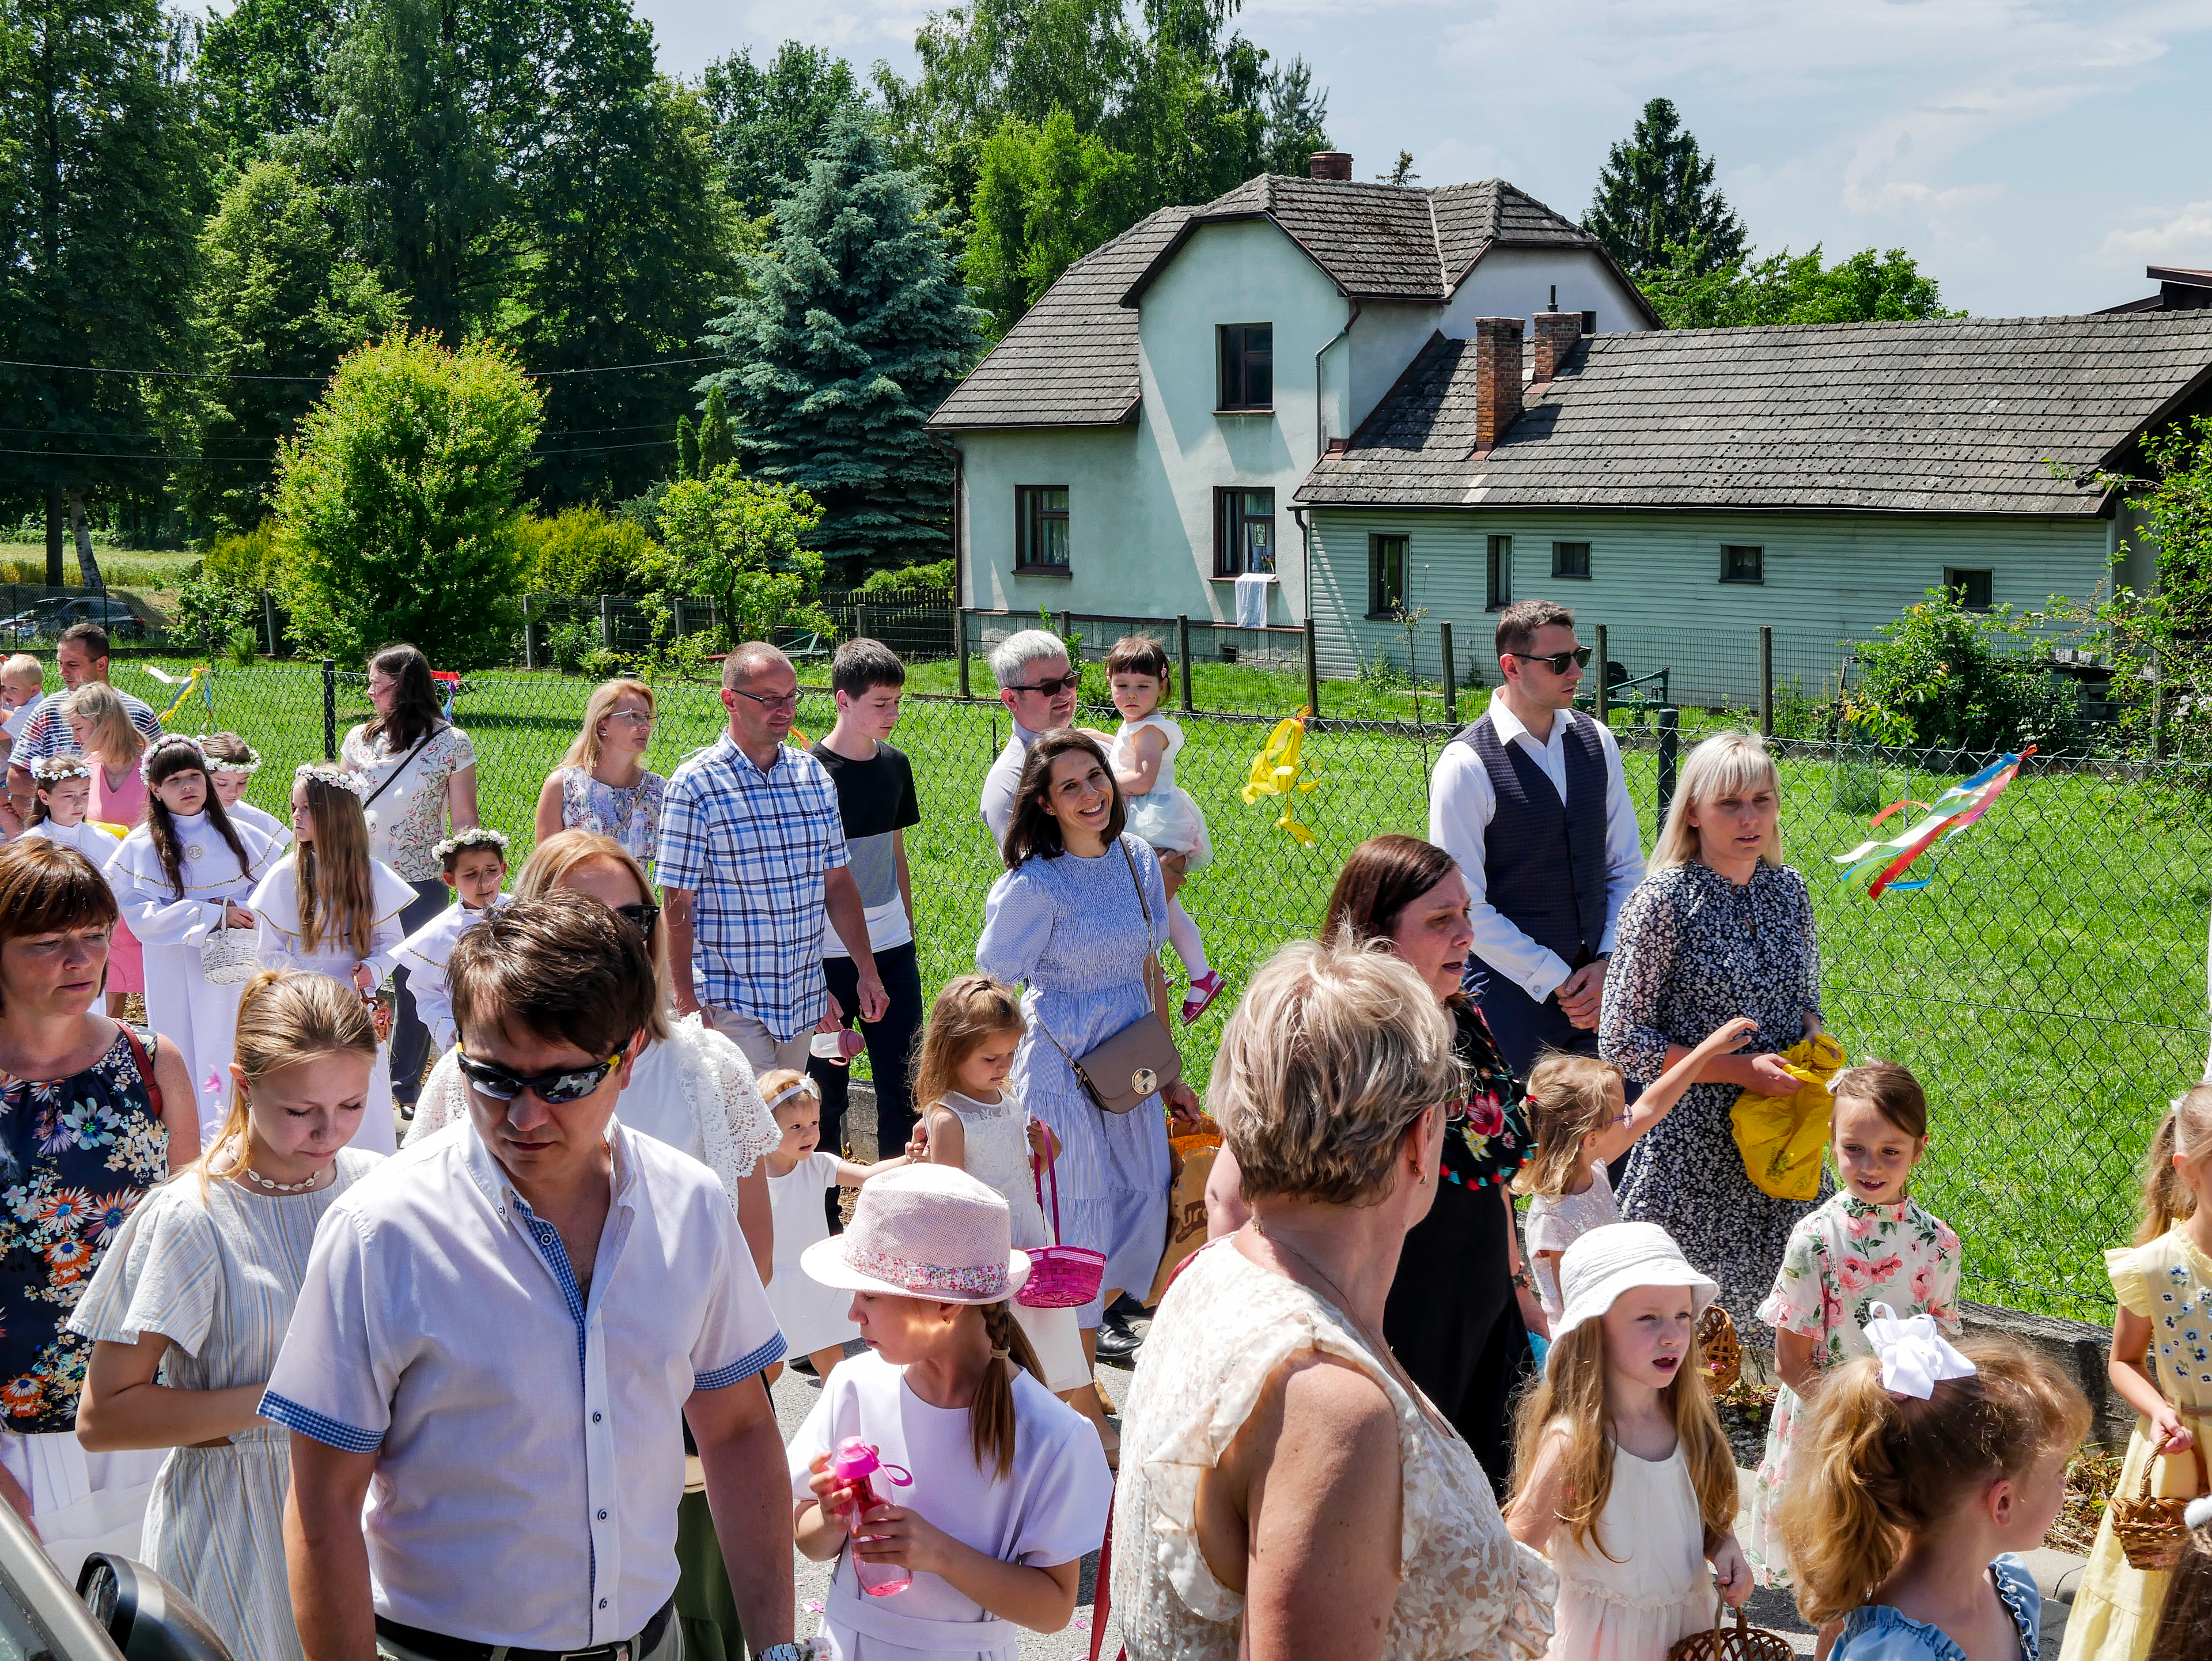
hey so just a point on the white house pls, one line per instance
(1131, 446)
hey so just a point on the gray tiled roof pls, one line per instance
(1072, 360)
(1950, 416)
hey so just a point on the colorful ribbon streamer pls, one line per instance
(1948, 815)
(1275, 772)
(198, 681)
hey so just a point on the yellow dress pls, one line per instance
(2169, 1283)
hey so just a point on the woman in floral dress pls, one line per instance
(603, 783)
(92, 1113)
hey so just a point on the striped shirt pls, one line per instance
(753, 846)
(47, 734)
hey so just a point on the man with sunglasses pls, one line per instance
(1038, 686)
(753, 869)
(498, 1343)
(1531, 800)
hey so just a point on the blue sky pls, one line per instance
(2034, 157)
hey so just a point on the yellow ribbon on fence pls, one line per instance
(1782, 1138)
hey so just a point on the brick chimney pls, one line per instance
(1496, 378)
(1331, 164)
(1555, 336)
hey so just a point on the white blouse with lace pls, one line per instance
(694, 1092)
(1466, 1589)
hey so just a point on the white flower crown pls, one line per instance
(247, 768)
(169, 741)
(477, 835)
(331, 773)
(53, 769)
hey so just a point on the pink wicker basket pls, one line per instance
(1061, 1276)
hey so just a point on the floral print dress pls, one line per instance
(1841, 1261)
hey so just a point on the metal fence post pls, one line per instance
(1603, 703)
(1670, 750)
(269, 619)
(1313, 669)
(329, 710)
(860, 620)
(1182, 658)
(529, 636)
(676, 614)
(960, 646)
(1766, 680)
(1451, 680)
(607, 621)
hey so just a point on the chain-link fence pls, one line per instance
(2048, 987)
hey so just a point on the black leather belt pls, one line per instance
(437, 1646)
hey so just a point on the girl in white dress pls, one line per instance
(187, 871)
(64, 787)
(1161, 813)
(189, 1306)
(1622, 1473)
(231, 761)
(799, 1172)
(473, 863)
(1009, 1489)
(328, 908)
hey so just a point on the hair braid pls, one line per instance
(991, 1419)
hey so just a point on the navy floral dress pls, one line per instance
(76, 1155)
(1453, 1318)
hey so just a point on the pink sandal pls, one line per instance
(1203, 991)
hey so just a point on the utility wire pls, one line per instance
(255, 461)
(215, 374)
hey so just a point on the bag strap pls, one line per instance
(394, 774)
(1143, 904)
(1101, 1597)
(141, 1056)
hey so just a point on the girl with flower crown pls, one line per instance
(186, 872)
(231, 762)
(327, 907)
(473, 864)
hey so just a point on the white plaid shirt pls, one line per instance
(753, 847)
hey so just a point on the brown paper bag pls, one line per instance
(1190, 1162)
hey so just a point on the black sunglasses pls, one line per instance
(1050, 688)
(1557, 662)
(642, 914)
(554, 1089)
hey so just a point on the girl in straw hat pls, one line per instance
(1010, 1488)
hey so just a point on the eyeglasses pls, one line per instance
(1557, 662)
(1050, 688)
(554, 1089)
(641, 914)
(789, 700)
(641, 717)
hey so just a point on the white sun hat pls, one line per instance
(1618, 1257)
(924, 1231)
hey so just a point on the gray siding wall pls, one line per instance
(1655, 582)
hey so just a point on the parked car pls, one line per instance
(126, 1609)
(57, 612)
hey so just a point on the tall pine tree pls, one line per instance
(854, 329)
(1657, 192)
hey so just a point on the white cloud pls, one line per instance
(2185, 239)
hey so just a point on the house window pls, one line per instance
(1972, 587)
(1497, 578)
(1571, 559)
(1742, 562)
(1040, 527)
(1385, 576)
(1244, 532)
(1248, 366)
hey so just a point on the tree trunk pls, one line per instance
(88, 566)
(54, 540)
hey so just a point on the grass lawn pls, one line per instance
(2048, 988)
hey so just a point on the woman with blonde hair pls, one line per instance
(99, 721)
(189, 1307)
(1718, 929)
(603, 783)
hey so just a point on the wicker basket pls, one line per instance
(1720, 1357)
(2150, 1528)
(229, 957)
(1745, 1643)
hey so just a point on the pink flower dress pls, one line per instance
(1841, 1261)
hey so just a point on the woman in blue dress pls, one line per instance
(1077, 918)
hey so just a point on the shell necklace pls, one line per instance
(251, 1175)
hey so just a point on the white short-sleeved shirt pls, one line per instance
(530, 1447)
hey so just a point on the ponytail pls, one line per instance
(2186, 1131)
(991, 1417)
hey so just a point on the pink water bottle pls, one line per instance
(854, 1463)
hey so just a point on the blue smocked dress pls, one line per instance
(1875, 1631)
(1074, 931)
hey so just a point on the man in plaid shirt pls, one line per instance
(752, 858)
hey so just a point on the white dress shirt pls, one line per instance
(530, 1446)
(1001, 782)
(1462, 802)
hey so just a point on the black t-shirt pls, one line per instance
(874, 799)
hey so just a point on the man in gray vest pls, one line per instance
(1531, 801)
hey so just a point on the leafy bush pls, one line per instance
(570, 644)
(253, 560)
(583, 550)
(211, 612)
(1379, 673)
(936, 577)
(1944, 678)
(736, 541)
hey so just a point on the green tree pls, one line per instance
(1044, 198)
(395, 503)
(687, 448)
(854, 330)
(718, 434)
(1945, 678)
(277, 300)
(100, 185)
(768, 119)
(260, 72)
(1656, 193)
(742, 543)
(584, 551)
(1866, 287)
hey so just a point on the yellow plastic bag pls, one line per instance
(1782, 1138)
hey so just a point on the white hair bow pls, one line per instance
(1915, 1356)
(2199, 1514)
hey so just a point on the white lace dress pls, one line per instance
(1468, 1591)
(1556, 1221)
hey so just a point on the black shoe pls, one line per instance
(1117, 1341)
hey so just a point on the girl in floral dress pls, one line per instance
(1869, 1244)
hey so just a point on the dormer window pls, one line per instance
(1248, 366)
